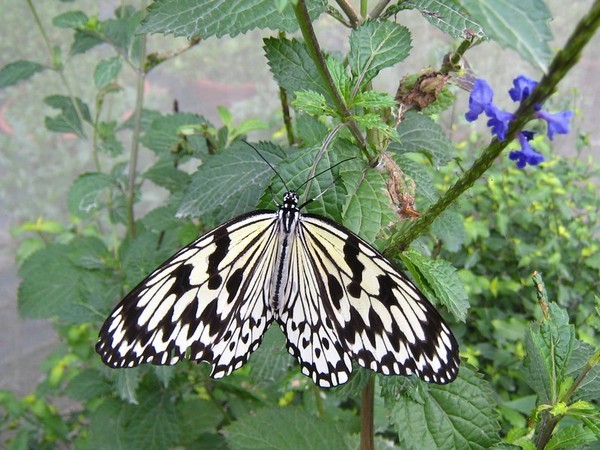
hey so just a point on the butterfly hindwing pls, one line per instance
(208, 302)
(364, 308)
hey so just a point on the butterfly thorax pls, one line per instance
(288, 215)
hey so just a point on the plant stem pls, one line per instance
(378, 9)
(350, 11)
(137, 125)
(366, 415)
(562, 63)
(317, 56)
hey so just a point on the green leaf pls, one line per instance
(71, 19)
(206, 18)
(271, 362)
(17, 71)
(83, 41)
(375, 46)
(522, 25)
(85, 195)
(107, 424)
(310, 130)
(312, 103)
(55, 282)
(106, 71)
(448, 16)
(590, 386)
(127, 382)
(368, 209)
(87, 385)
(196, 416)
(230, 182)
(437, 278)
(419, 134)
(165, 134)
(68, 121)
(165, 175)
(270, 428)
(154, 423)
(549, 346)
(462, 414)
(122, 31)
(420, 175)
(293, 68)
(570, 437)
(450, 229)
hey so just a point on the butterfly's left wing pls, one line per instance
(347, 301)
(208, 302)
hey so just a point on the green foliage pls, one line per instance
(525, 368)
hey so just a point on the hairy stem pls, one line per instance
(137, 125)
(317, 56)
(562, 63)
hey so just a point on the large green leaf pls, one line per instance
(230, 182)
(419, 134)
(462, 414)
(284, 429)
(85, 195)
(205, 18)
(293, 68)
(375, 46)
(153, 423)
(519, 24)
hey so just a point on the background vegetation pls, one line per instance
(530, 354)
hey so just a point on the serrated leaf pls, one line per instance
(522, 25)
(590, 386)
(164, 174)
(164, 133)
(17, 71)
(230, 182)
(53, 285)
(83, 41)
(340, 76)
(87, 385)
(450, 229)
(374, 99)
(85, 194)
(69, 120)
(438, 278)
(368, 209)
(570, 438)
(293, 68)
(197, 416)
(420, 175)
(106, 428)
(122, 32)
(106, 71)
(206, 18)
(70, 19)
(127, 382)
(270, 363)
(419, 134)
(154, 423)
(269, 428)
(312, 103)
(462, 414)
(549, 346)
(310, 130)
(449, 17)
(375, 46)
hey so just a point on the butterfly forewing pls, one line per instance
(334, 296)
(209, 301)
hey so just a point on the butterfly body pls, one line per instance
(334, 296)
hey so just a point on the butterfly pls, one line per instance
(334, 296)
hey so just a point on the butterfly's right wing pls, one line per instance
(208, 302)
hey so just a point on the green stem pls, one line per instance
(137, 126)
(350, 11)
(378, 9)
(562, 63)
(317, 56)
(367, 399)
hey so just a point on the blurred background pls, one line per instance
(37, 167)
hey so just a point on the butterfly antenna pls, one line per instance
(322, 172)
(268, 163)
(322, 192)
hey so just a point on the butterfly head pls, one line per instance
(290, 200)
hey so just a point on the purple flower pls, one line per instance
(523, 87)
(557, 122)
(527, 155)
(480, 98)
(499, 120)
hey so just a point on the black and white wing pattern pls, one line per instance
(348, 302)
(210, 298)
(335, 297)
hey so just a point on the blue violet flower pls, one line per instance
(481, 101)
